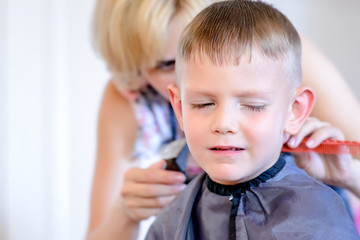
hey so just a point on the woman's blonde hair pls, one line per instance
(131, 34)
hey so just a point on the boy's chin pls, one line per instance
(229, 178)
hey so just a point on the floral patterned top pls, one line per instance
(157, 124)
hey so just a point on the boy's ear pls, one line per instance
(300, 109)
(175, 100)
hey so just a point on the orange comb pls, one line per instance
(327, 147)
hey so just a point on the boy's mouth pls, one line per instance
(226, 148)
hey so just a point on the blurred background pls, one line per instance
(51, 84)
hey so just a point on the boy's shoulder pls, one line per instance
(292, 186)
(295, 204)
(292, 175)
(174, 219)
(293, 179)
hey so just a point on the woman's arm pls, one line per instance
(337, 105)
(121, 194)
(335, 102)
(116, 136)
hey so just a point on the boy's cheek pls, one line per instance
(194, 127)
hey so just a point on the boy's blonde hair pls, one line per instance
(226, 31)
(131, 34)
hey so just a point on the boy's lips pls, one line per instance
(227, 151)
(226, 148)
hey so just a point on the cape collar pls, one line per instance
(228, 190)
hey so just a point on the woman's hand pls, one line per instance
(338, 170)
(146, 192)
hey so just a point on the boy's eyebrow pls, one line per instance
(245, 93)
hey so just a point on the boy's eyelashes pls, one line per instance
(201, 105)
(254, 108)
(166, 65)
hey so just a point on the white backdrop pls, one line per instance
(50, 88)
(51, 84)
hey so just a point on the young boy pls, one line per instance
(237, 97)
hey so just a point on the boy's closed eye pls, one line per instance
(254, 108)
(202, 105)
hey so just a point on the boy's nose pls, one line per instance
(224, 121)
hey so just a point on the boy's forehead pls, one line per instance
(255, 61)
(254, 74)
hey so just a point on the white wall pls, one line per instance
(51, 84)
(333, 25)
(3, 121)
(50, 88)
